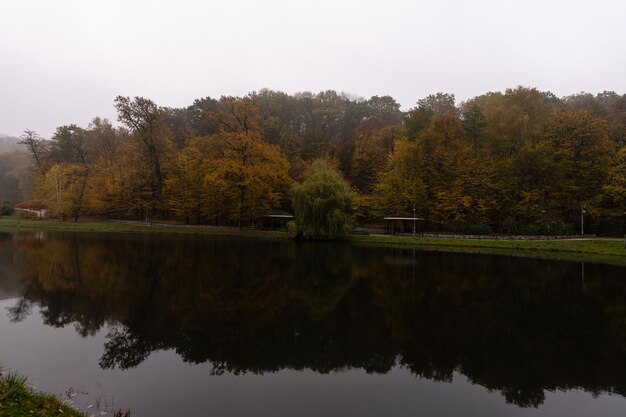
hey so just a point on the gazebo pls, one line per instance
(277, 220)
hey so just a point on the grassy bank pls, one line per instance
(17, 399)
(609, 251)
(13, 224)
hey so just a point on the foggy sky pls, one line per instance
(64, 62)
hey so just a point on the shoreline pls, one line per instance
(594, 250)
(17, 398)
(598, 250)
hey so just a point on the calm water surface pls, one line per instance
(168, 326)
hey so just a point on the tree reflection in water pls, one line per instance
(520, 326)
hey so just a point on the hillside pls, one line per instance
(9, 143)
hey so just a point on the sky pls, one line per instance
(65, 61)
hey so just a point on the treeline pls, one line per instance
(522, 161)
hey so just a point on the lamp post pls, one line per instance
(413, 219)
(582, 217)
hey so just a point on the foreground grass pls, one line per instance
(17, 399)
(608, 251)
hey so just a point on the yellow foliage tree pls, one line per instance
(195, 190)
(63, 189)
(401, 187)
(254, 174)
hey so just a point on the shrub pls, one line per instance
(6, 208)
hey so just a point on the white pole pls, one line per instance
(582, 224)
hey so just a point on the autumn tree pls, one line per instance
(526, 188)
(196, 189)
(439, 104)
(474, 121)
(401, 186)
(371, 149)
(614, 190)
(418, 119)
(196, 116)
(177, 124)
(112, 159)
(608, 105)
(467, 198)
(63, 184)
(278, 120)
(514, 117)
(63, 189)
(321, 119)
(583, 152)
(585, 101)
(374, 138)
(145, 121)
(255, 172)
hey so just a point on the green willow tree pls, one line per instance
(323, 204)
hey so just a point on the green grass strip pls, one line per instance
(608, 251)
(598, 250)
(14, 224)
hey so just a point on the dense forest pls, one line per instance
(521, 161)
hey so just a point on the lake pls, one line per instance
(224, 326)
